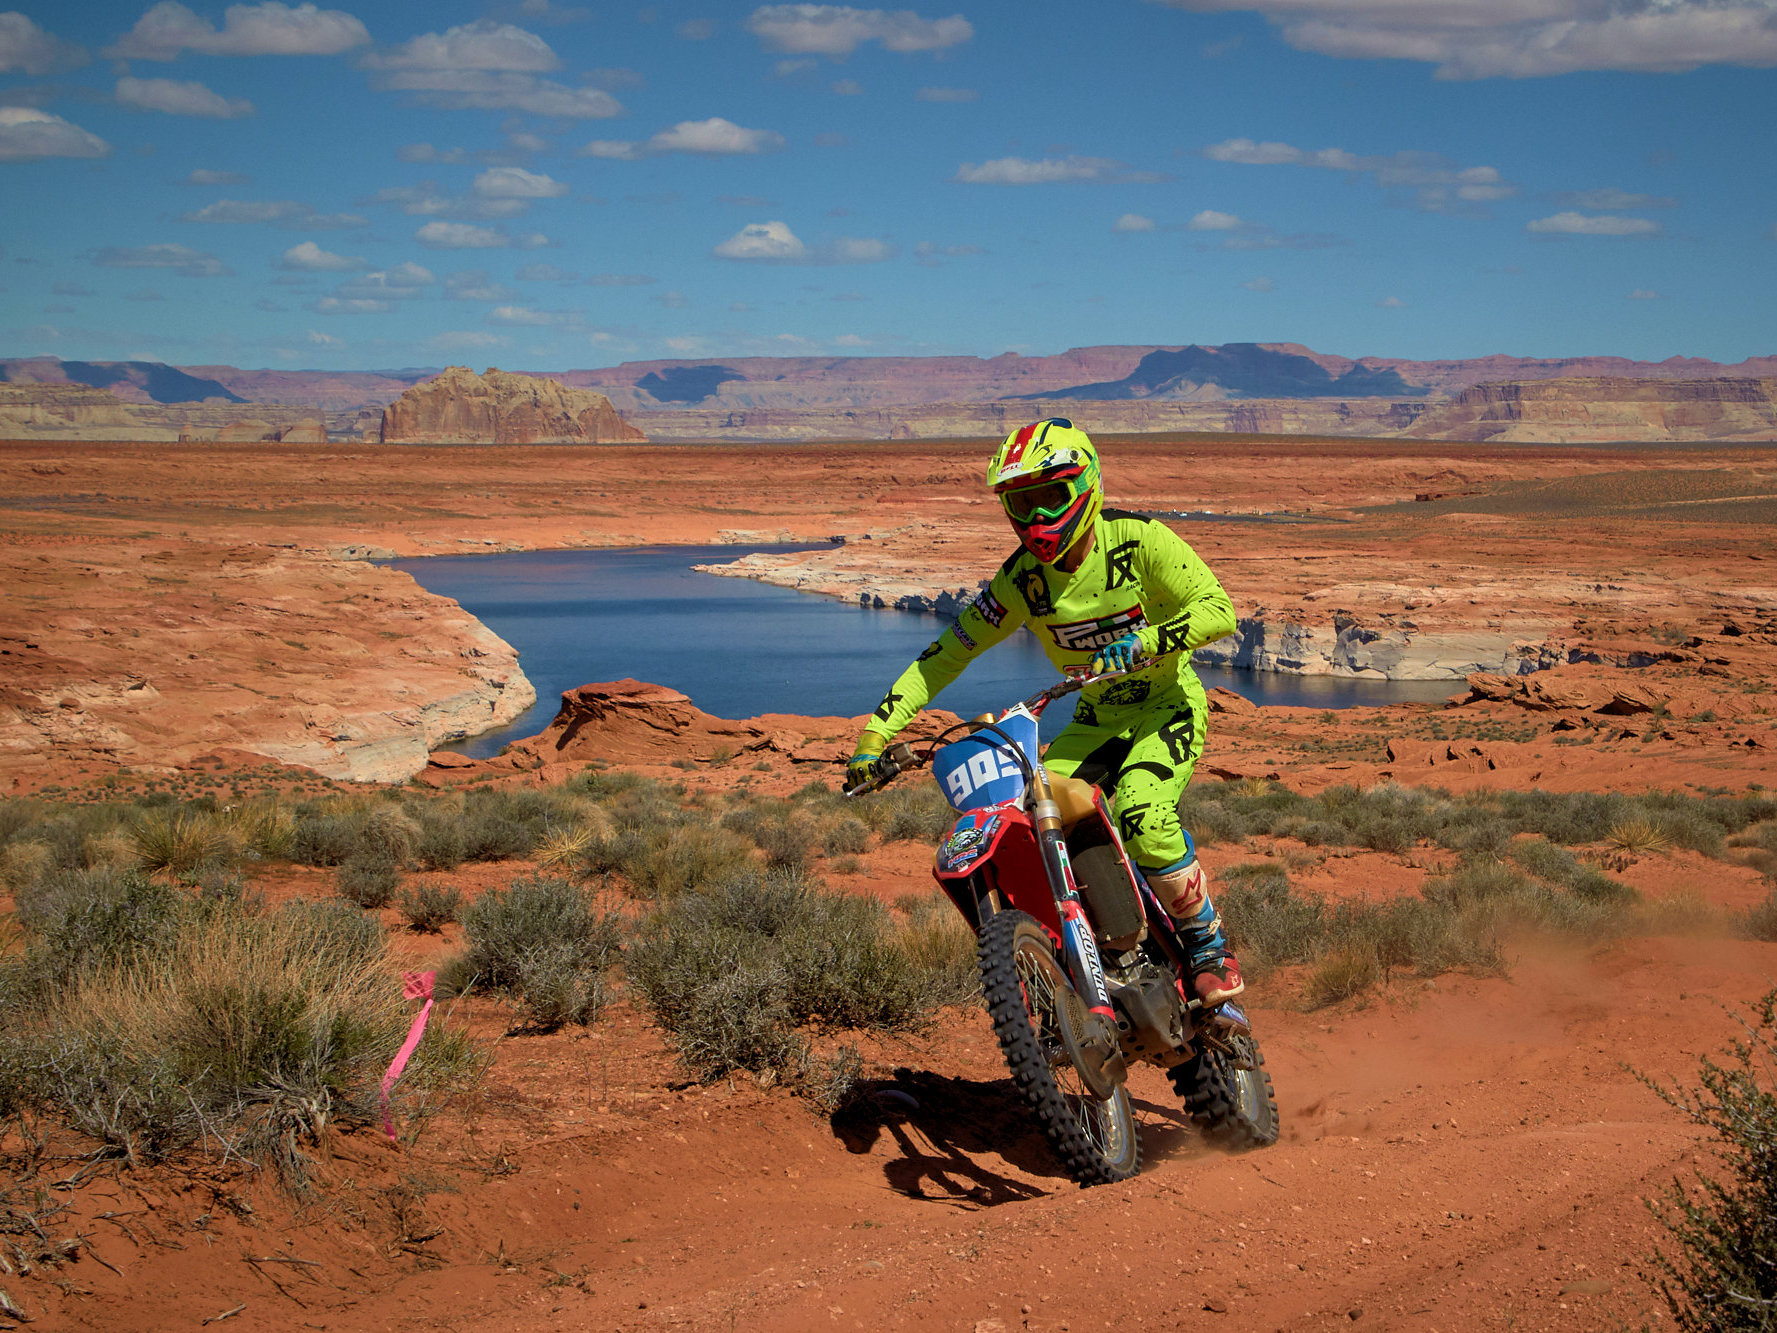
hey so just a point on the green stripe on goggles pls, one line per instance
(1044, 499)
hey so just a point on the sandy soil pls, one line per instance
(1458, 1154)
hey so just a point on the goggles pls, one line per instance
(1048, 499)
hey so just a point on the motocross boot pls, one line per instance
(1184, 891)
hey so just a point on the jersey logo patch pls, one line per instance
(1088, 636)
(989, 607)
(1034, 588)
(1119, 566)
(962, 635)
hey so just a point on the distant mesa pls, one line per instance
(686, 384)
(1238, 370)
(131, 381)
(461, 407)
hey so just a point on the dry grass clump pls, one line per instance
(542, 941)
(1638, 835)
(154, 1022)
(431, 907)
(732, 973)
(1459, 921)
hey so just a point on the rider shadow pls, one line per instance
(946, 1129)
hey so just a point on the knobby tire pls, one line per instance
(1230, 1098)
(1095, 1140)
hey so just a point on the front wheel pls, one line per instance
(1020, 982)
(1229, 1095)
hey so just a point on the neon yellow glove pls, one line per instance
(861, 767)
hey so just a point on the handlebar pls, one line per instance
(899, 758)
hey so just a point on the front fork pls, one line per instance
(1079, 949)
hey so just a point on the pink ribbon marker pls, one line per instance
(414, 986)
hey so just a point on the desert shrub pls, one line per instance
(431, 907)
(247, 1028)
(731, 972)
(182, 841)
(24, 862)
(1269, 925)
(80, 921)
(368, 881)
(1559, 867)
(1723, 1273)
(914, 811)
(505, 822)
(1343, 975)
(542, 941)
(940, 947)
(844, 835)
(674, 858)
(1761, 921)
(440, 845)
(789, 841)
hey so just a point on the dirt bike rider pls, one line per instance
(1109, 588)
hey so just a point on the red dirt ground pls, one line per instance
(1464, 1153)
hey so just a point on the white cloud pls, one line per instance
(320, 339)
(1133, 222)
(848, 88)
(1643, 294)
(460, 236)
(851, 340)
(621, 280)
(403, 282)
(696, 30)
(545, 273)
(475, 284)
(268, 29)
(497, 90)
(769, 241)
(774, 242)
(1210, 220)
(342, 305)
(672, 300)
(181, 259)
(1260, 285)
(1045, 171)
(282, 212)
(311, 258)
(714, 136)
(836, 31)
(466, 236)
(203, 176)
(178, 97)
(517, 183)
(526, 317)
(1580, 224)
(424, 200)
(26, 133)
(1472, 39)
(30, 50)
(484, 44)
(946, 95)
(1437, 185)
(1391, 303)
(1613, 201)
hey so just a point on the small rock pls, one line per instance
(1215, 1304)
(1355, 1313)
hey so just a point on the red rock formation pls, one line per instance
(1607, 408)
(310, 430)
(461, 407)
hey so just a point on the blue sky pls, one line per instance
(548, 185)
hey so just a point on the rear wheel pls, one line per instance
(1229, 1095)
(1020, 980)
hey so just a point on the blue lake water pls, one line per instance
(740, 648)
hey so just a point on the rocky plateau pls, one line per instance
(461, 407)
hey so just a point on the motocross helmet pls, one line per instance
(1046, 476)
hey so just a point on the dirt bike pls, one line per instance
(1082, 970)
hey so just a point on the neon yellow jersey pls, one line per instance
(1140, 575)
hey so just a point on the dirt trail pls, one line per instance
(1463, 1154)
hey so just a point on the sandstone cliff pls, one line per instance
(461, 407)
(1594, 409)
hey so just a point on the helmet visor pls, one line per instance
(1048, 499)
